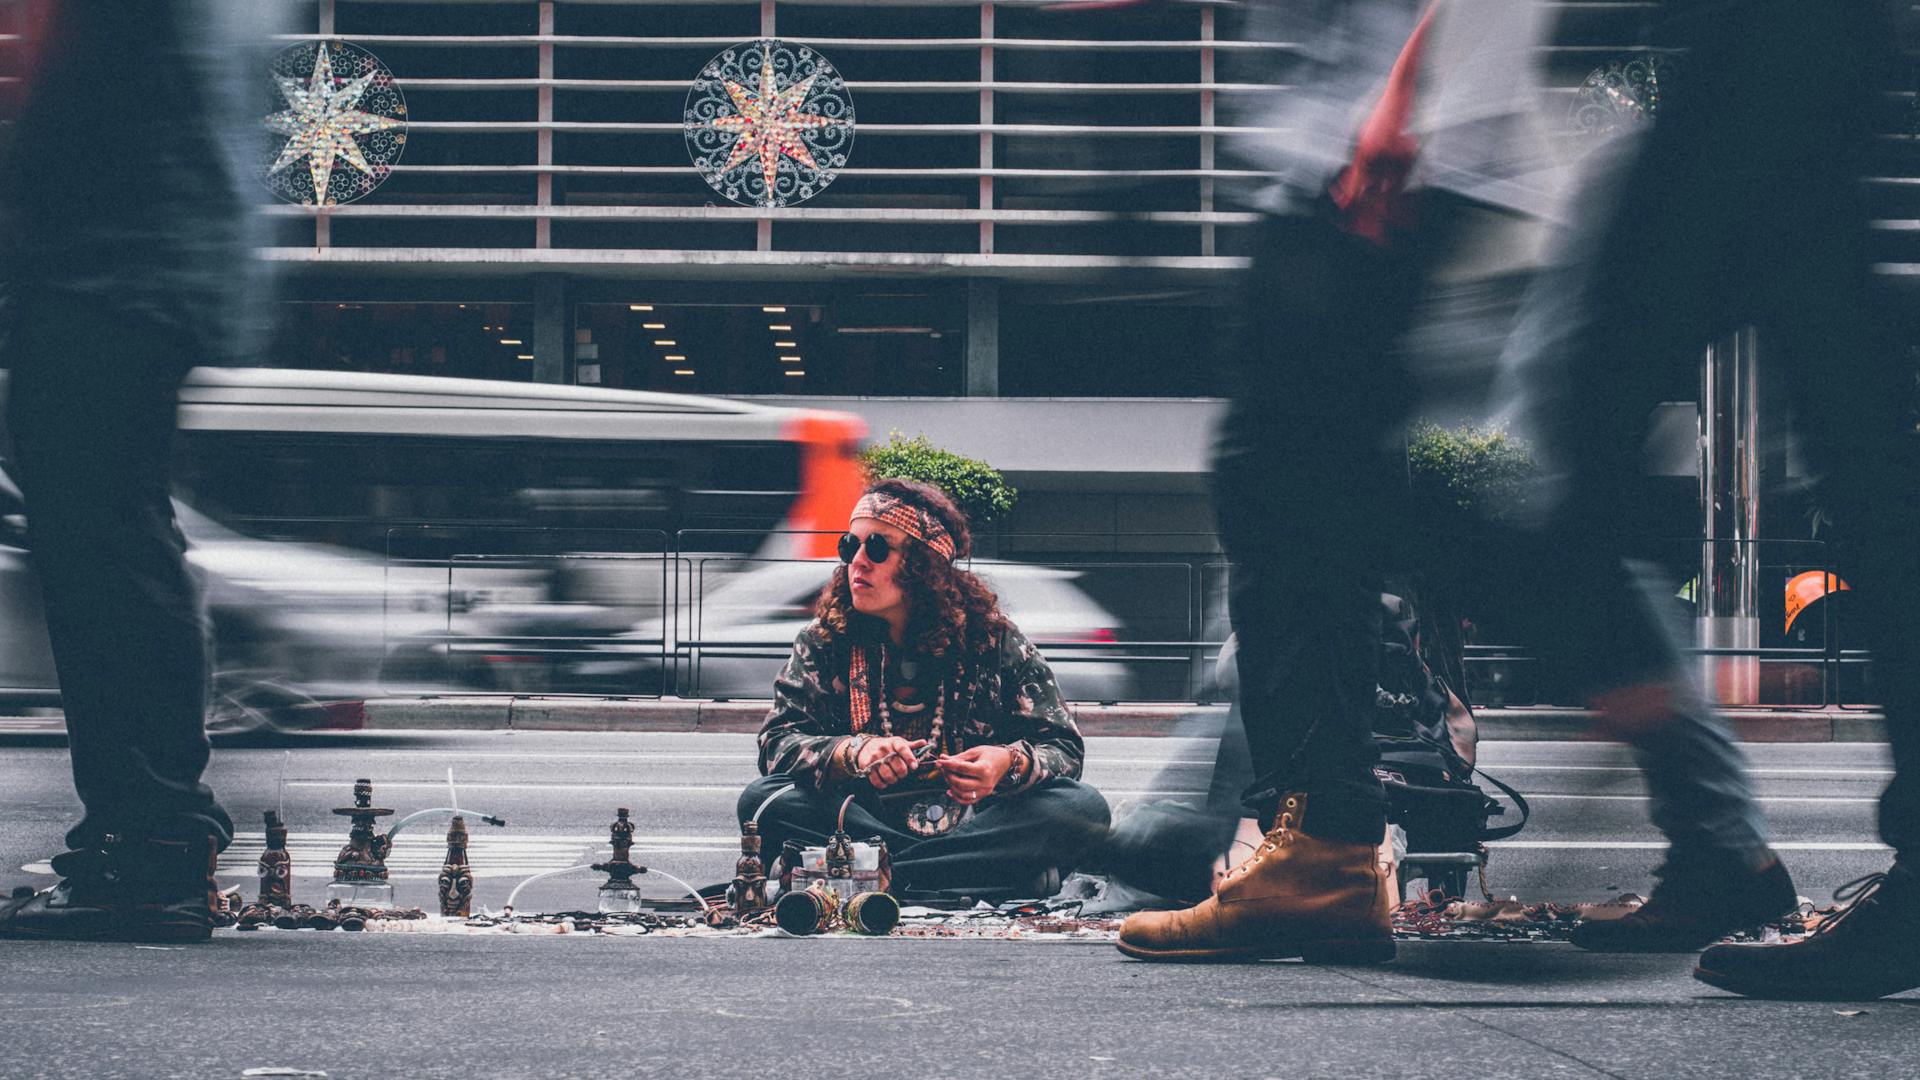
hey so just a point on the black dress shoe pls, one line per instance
(1699, 900)
(1869, 950)
(152, 891)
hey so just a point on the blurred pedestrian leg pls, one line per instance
(92, 423)
(1730, 211)
(1787, 248)
(128, 254)
(1309, 468)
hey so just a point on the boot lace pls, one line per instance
(1281, 833)
(1856, 894)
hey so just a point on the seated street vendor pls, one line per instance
(912, 692)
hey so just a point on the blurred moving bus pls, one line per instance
(363, 534)
(347, 459)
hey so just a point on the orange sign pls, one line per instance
(1804, 589)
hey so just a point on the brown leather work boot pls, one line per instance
(1298, 896)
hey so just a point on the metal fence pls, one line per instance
(713, 614)
(646, 613)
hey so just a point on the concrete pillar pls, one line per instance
(1728, 598)
(551, 329)
(543, 140)
(983, 338)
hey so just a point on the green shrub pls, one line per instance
(1468, 469)
(982, 493)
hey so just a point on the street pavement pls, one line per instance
(403, 1005)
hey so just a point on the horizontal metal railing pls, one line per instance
(1017, 103)
(1025, 144)
(1839, 674)
(719, 619)
(645, 613)
(690, 633)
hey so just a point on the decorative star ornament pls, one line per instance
(342, 106)
(769, 123)
(762, 143)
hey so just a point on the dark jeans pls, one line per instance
(1309, 487)
(91, 408)
(1734, 209)
(1000, 852)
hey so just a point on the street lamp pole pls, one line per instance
(1728, 597)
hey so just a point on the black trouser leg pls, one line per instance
(1009, 841)
(1309, 661)
(91, 409)
(1900, 803)
(1167, 846)
(1873, 494)
(1672, 261)
(1308, 491)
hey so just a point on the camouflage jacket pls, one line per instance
(1007, 698)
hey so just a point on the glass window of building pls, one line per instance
(902, 342)
(1143, 346)
(472, 340)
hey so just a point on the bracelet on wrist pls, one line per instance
(1019, 766)
(851, 761)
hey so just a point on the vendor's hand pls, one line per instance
(888, 760)
(973, 774)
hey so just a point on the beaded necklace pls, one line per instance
(933, 812)
(860, 700)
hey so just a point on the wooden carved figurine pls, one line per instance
(456, 877)
(276, 865)
(747, 895)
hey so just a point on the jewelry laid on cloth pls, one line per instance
(933, 813)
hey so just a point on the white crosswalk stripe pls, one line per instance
(1660, 845)
(634, 789)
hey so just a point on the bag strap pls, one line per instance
(1519, 802)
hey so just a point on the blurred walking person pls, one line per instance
(127, 254)
(1401, 131)
(1735, 209)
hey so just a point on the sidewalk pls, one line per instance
(348, 1006)
(503, 712)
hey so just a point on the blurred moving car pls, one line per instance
(734, 630)
(292, 624)
(363, 534)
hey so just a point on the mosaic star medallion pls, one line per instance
(769, 124)
(344, 123)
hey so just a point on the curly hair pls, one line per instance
(951, 610)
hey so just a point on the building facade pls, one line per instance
(1029, 254)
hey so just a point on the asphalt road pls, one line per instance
(1588, 838)
(400, 1005)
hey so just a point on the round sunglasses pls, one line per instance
(879, 548)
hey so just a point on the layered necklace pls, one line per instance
(860, 698)
(931, 813)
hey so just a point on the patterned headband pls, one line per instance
(908, 518)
